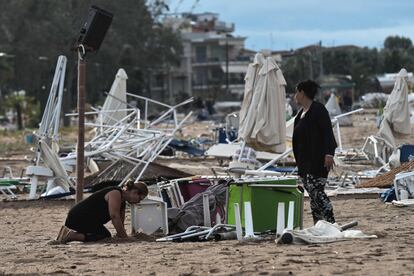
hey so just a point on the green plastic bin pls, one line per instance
(8, 182)
(264, 196)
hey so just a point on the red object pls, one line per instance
(191, 188)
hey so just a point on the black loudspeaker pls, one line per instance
(93, 31)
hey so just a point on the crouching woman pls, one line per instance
(85, 221)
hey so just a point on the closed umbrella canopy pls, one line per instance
(116, 100)
(396, 111)
(264, 125)
(51, 160)
(246, 122)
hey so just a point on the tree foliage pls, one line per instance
(26, 108)
(398, 52)
(397, 43)
(37, 32)
(362, 64)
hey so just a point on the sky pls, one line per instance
(291, 24)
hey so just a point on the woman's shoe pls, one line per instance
(63, 234)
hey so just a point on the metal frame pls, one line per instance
(48, 132)
(379, 153)
(335, 122)
(399, 176)
(133, 139)
(6, 190)
(202, 232)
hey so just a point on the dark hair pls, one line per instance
(309, 87)
(140, 186)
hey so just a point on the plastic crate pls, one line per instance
(264, 196)
(149, 216)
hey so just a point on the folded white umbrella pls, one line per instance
(247, 114)
(396, 111)
(269, 99)
(114, 108)
(51, 160)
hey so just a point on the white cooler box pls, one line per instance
(149, 216)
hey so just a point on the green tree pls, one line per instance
(362, 64)
(397, 43)
(398, 53)
(26, 108)
(337, 61)
(36, 32)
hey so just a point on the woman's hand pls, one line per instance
(114, 206)
(329, 162)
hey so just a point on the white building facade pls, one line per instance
(213, 61)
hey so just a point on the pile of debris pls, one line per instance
(386, 180)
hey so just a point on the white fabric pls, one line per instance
(54, 191)
(263, 127)
(374, 100)
(325, 232)
(411, 107)
(332, 106)
(245, 121)
(334, 109)
(52, 161)
(228, 150)
(403, 203)
(396, 112)
(117, 102)
(394, 159)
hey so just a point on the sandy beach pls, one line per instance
(27, 227)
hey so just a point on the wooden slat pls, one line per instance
(387, 179)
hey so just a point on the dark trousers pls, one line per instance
(92, 229)
(320, 204)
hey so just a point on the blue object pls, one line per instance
(388, 195)
(29, 138)
(281, 169)
(223, 134)
(232, 134)
(406, 153)
(185, 146)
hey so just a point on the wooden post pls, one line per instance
(81, 128)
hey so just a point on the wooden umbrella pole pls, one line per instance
(81, 126)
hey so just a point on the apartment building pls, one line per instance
(213, 61)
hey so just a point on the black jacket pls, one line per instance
(313, 138)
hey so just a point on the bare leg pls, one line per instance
(75, 236)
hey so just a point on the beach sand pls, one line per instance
(27, 227)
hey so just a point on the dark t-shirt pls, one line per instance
(95, 207)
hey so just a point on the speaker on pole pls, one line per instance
(94, 29)
(90, 38)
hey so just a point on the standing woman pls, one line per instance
(314, 148)
(85, 221)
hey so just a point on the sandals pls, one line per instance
(63, 234)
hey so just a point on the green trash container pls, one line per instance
(264, 195)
